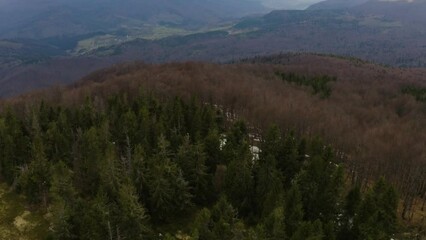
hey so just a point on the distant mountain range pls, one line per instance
(49, 18)
(390, 33)
(386, 32)
(336, 4)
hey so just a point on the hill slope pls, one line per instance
(336, 4)
(366, 107)
(143, 151)
(390, 33)
(48, 18)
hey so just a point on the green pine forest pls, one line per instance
(147, 167)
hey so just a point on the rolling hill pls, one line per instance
(197, 119)
(47, 18)
(375, 31)
(336, 4)
(366, 107)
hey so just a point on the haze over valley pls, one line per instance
(54, 33)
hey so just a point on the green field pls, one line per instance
(147, 32)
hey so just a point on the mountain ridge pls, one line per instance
(374, 31)
(336, 4)
(67, 17)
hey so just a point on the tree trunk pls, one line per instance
(109, 231)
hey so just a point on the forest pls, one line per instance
(166, 168)
(70, 44)
(417, 92)
(231, 151)
(319, 84)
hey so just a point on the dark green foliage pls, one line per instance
(376, 217)
(169, 193)
(237, 146)
(92, 218)
(202, 227)
(319, 84)
(293, 210)
(289, 160)
(218, 223)
(89, 154)
(239, 183)
(269, 187)
(275, 225)
(353, 201)
(419, 93)
(35, 178)
(321, 185)
(63, 197)
(212, 150)
(192, 160)
(131, 218)
(309, 231)
(58, 142)
(14, 145)
(284, 151)
(272, 143)
(132, 168)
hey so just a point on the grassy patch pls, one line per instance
(17, 221)
(108, 40)
(98, 43)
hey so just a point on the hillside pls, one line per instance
(212, 119)
(128, 117)
(76, 27)
(42, 19)
(336, 4)
(389, 33)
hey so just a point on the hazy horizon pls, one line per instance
(289, 4)
(274, 4)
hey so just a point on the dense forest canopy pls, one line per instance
(160, 168)
(301, 145)
(175, 159)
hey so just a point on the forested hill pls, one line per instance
(336, 4)
(386, 32)
(141, 168)
(41, 19)
(254, 150)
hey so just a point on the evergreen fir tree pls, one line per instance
(293, 209)
(275, 225)
(63, 195)
(169, 192)
(309, 231)
(269, 186)
(191, 159)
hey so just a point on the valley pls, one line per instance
(365, 31)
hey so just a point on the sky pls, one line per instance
(289, 4)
